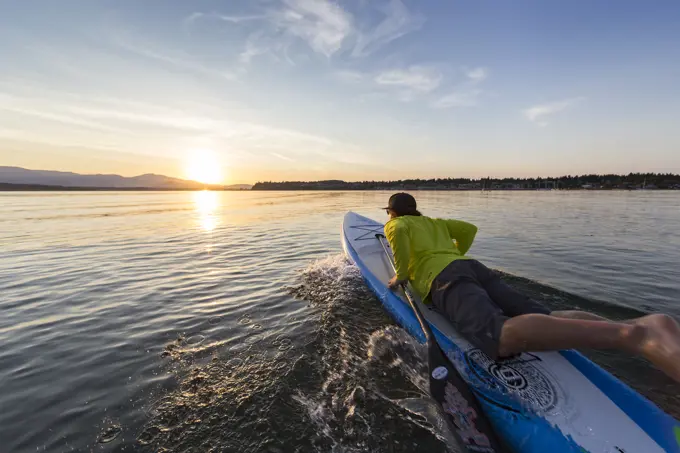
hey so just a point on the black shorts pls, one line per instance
(478, 303)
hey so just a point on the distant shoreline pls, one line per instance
(416, 189)
(632, 181)
(7, 187)
(428, 189)
(33, 188)
(22, 179)
(14, 179)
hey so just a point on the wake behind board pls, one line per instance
(540, 402)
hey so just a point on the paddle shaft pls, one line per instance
(429, 336)
(464, 415)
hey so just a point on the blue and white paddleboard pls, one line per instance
(540, 402)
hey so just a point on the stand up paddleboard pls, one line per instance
(537, 403)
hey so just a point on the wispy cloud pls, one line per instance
(539, 113)
(420, 82)
(322, 24)
(157, 128)
(221, 17)
(418, 78)
(175, 58)
(282, 157)
(468, 98)
(325, 26)
(477, 74)
(32, 107)
(398, 22)
(467, 93)
(252, 50)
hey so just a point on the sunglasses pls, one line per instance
(387, 211)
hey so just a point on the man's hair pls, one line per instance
(403, 203)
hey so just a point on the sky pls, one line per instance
(353, 90)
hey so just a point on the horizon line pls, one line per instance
(362, 181)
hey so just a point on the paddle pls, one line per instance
(464, 415)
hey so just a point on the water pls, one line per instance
(231, 322)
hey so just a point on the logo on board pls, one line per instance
(519, 377)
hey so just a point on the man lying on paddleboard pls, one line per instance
(430, 254)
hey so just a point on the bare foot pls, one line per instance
(660, 343)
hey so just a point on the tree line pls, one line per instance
(630, 181)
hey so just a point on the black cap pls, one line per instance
(402, 203)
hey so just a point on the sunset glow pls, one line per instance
(206, 204)
(204, 166)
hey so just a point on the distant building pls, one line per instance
(470, 186)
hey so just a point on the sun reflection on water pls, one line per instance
(207, 203)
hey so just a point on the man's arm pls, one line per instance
(463, 232)
(397, 235)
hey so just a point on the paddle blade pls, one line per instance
(460, 407)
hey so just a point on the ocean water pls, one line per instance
(230, 321)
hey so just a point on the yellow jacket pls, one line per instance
(424, 246)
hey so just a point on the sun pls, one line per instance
(203, 165)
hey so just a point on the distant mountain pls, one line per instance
(23, 176)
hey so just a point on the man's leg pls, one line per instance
(577, 314)
(655, 337)
(457, 294)
(472, 313)
(533, 327)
